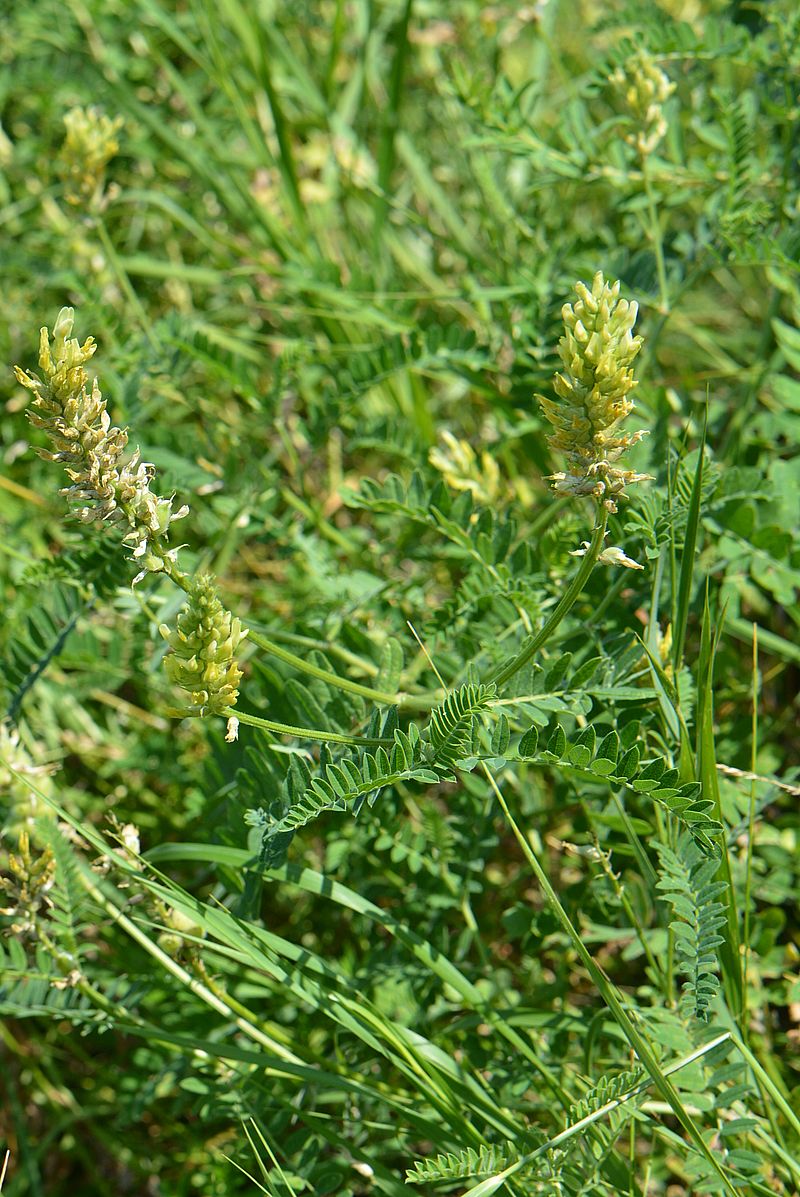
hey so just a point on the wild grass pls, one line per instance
(497, 889)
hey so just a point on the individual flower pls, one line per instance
(612, 555)
(644, 88)
(597, 352)
(6, 148)
(203, 657)
(91, 449)
(90, 143)
(181, 929)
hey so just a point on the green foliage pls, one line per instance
(591, 758)
(416, 922)
(606, 1090)
(426, 756)
(344, 784)
(36, 632)
(690, 886)
(450, 735)
(462, 1165)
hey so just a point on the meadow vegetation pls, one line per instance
(400, 564)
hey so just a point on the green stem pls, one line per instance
(751, 820)
(303, 733)
(624, 900)
(611, 997)
(276, 1033)
(565, 605)
(286, 160)
(656, 238)
(386, 149)
(325, 646)
(338, 28)
(643, 860)
(79, 981)
(122, 278)
(419, 701)
(763, 1077)
(191, 983)
(670, 973)
(579, 1127)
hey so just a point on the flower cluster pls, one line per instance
(203, 657)
(19, 805)
(644, 88)
(597, 351)
(91, 449)
(90, 143)
(457, 461)
(25, 888)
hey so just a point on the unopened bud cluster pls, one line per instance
(644, 88)
(203, 657)
(91, 449)
(597, 351)
(90, 143)
(30, 875)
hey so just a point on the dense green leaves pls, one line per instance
(410, 926)
(689, 884)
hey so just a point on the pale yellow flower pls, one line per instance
(90, 143)
(597, 351)
(612, 555)
(21, 807)
(458, 462)
(644, 88)
(91, 449)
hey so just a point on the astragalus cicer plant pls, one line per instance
(467, 733)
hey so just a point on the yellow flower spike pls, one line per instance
(597, 352)
(458, 463)
(30, 876)
(644, 87)
(90, 143)
(91, 449)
